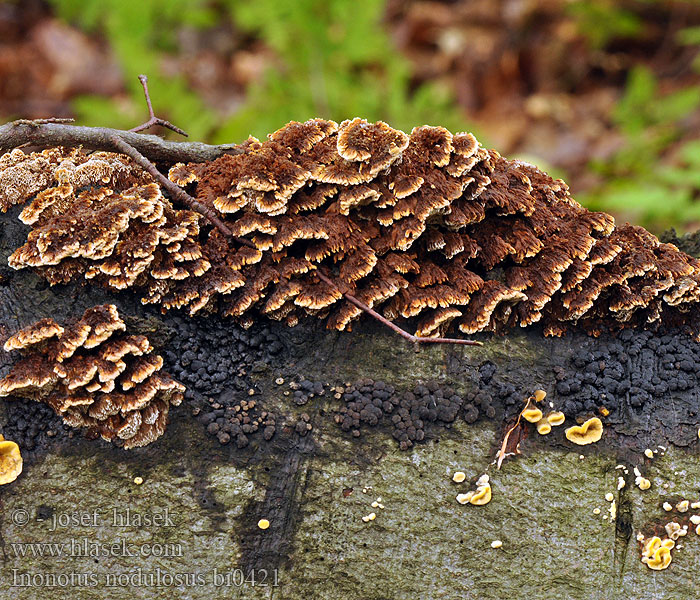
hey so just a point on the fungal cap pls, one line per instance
(459, 477)
(33, 334)
(481, 496)
(657, 554)
(496, 544)
(649, 453)
(463, 498)
(642, 483)
(543, 427)
(263, 523)
(532, 414)
(556, 418)
(590, 432)
(10, 461)
(539, 395)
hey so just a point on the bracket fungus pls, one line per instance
(94, 374)
(587, 433)
(427, 226)
(10, 461)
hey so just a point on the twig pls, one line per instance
(47, 133)
(37, 122)
(503, 453)
(404, 334)
(153, 120)
(175, 190)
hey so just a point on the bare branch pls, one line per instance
(153, 120)
(404, 334)
(46, 133)
(175, 190)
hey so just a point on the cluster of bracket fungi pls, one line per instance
(94, 375)
(429, 226)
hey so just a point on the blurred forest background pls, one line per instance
(603, 93)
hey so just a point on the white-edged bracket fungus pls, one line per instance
(415, 224)
(588, 433)
(10, 461)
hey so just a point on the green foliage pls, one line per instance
(139, 33)
(603, 20)
(644, 185)
(334, 60)
(337, 62)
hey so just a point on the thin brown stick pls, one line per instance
(47, 133)
(37, 122)
(175, 190)
(404, 334)
(153, 120)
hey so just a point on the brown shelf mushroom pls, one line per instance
(428, 226)
(94, 375)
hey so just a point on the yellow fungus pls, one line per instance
(496, 544)
(603, 411)
(674, 530)
(263, 523)
(532, 414)
(459, 477)
(660, 559)
(656, 553)
(683, 506)
(609, 497)
(596, 511)
(138, 480)
(556, 418)
(667, 506)
(10, 461)
(620, 483)
(481, 496)
(649, 453)
(543, 427)
(642, 483)
(539, 395)
(695, 519)
(588, 433)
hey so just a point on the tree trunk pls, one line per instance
(315, 485)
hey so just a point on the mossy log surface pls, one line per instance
(315, 489)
